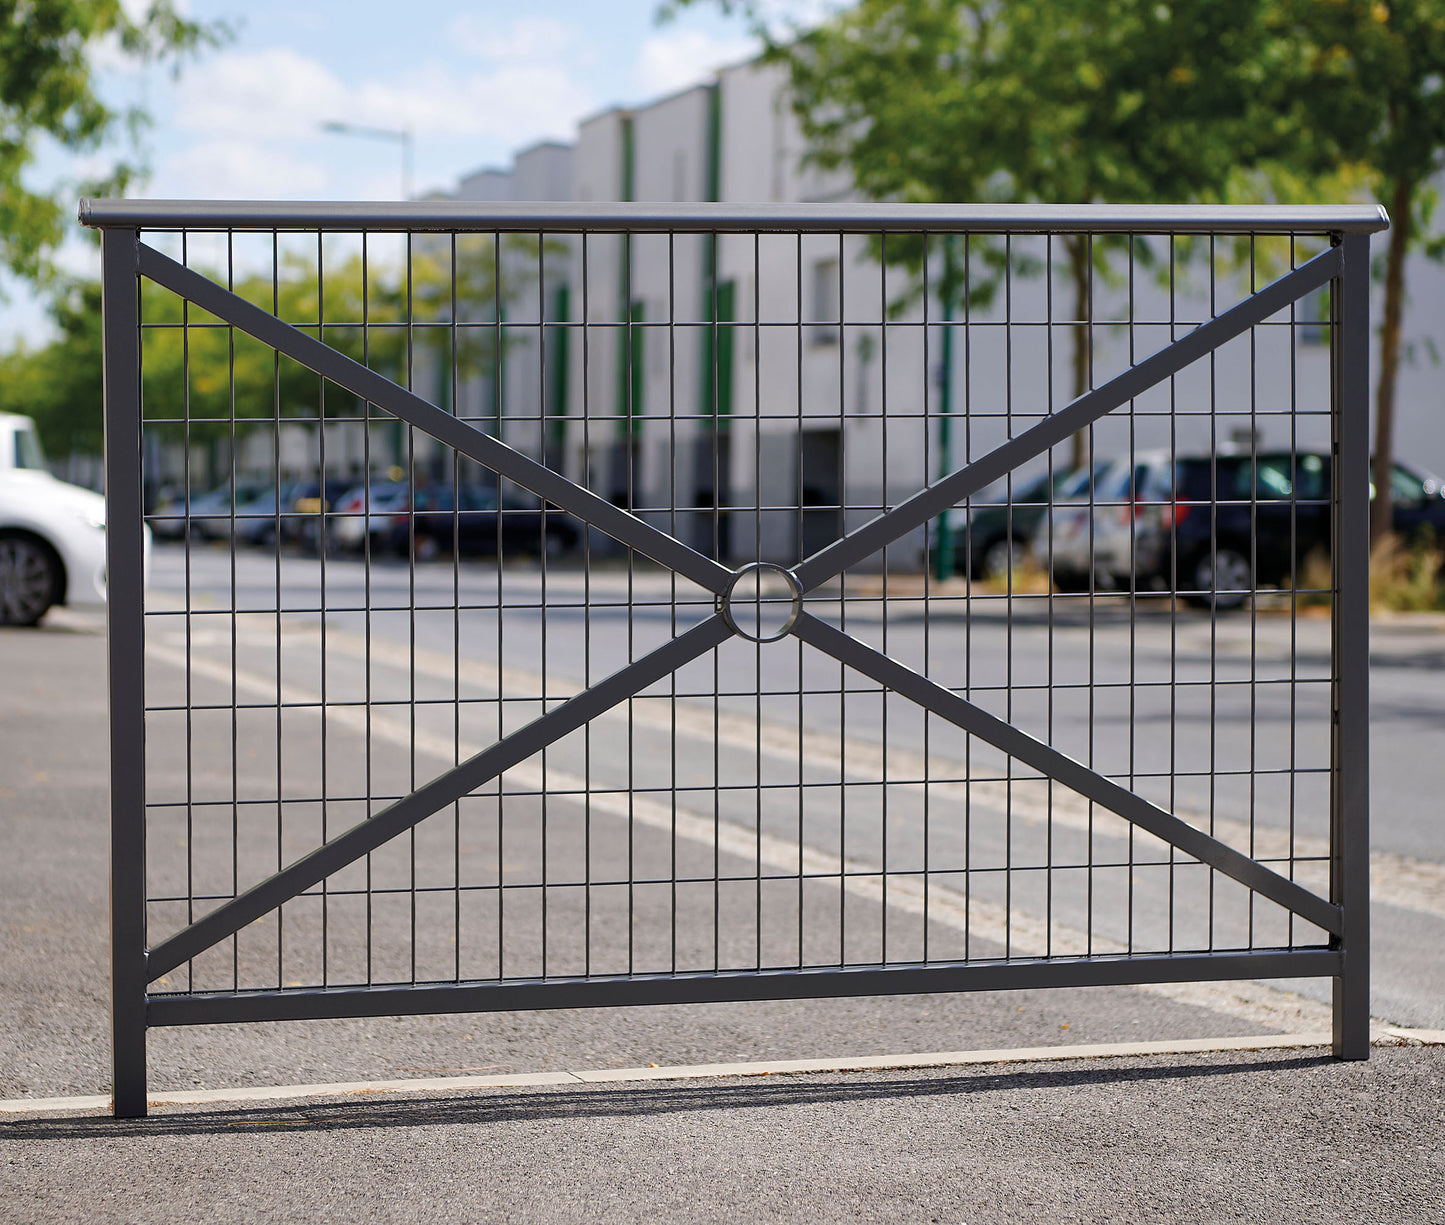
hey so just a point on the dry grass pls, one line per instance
(1028, 579)
(1407, 578)
(1404, 577)
(1315, 581)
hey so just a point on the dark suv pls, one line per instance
(1235, 523)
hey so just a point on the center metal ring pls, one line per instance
(760, 568)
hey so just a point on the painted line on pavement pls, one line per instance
(1395, 880)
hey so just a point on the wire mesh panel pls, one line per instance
(557, 608)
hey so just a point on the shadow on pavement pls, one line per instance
(589, 1102)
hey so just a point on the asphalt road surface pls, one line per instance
(1224, 720)
(630, 842)
(1232, 1137)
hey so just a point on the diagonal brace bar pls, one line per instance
(1073, 774)
(447, 788)
(927, 504)
(459, 435)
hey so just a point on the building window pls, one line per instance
(1314, 318)
(826, 300)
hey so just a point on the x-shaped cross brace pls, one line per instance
(822, 566)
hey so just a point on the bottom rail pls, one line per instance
(315, 1003)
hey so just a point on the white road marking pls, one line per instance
(1395, 880)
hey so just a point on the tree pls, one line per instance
(1125, 101)
(59, 384)
(196, 369)
(1370, 76)
(47, 89)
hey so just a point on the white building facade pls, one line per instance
(759, 395)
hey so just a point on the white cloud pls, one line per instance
(281, 94)
(234, 167)
(529, 38)
(261, 93)
(676, 58)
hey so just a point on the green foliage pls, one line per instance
(196, 368)
(1121, 101)
(47, 89)
(60, 384)
(1036, 100)
(1134, 101)
(1369, 76)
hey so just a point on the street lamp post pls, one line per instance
(402, 135)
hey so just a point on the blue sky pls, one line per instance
(473, 83)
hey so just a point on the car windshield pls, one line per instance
(1409, 487)
(1276, 477)
(265, 500)
(390, 496)
(478, 499)
(246, 491)
(1075, 484)
(27, 449)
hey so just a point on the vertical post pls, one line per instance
(1350, 750)
(125, 620)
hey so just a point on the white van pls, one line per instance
(52, 535)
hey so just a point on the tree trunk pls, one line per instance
(1078, 249)
(1380, 516)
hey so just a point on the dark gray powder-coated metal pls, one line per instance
(125, 570)
(1350, 795)
(638, 768)
(721, 218)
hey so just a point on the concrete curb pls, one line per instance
(1385, 1035)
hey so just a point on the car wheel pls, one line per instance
(1002, 558)
(1222, 579)
(30, 579)
(426, 547)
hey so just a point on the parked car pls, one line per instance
(475, 523)
(1417, 501)
(255, 522)
(52, 535)
(1214, 528)
(365, 513)
(992, 538)
(308, 500)
(205, 514)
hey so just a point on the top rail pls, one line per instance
(451, 215)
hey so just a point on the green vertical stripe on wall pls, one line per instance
(626, 376)
(636, 352)
(500, 407)
(726, 302)
(561, 351)
(717, 300)
(713, 186)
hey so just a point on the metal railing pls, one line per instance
(730, 604)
